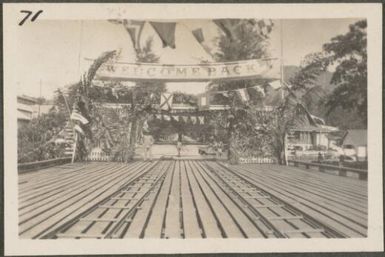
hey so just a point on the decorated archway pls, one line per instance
(137, 106)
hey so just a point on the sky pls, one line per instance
(52, 54)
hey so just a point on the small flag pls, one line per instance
(166, 32)
(193, 119)
(134, 29)
(276, 84)
(260, 89)
(158, 116)
(166, 101)
(201, 119)
(166, 117)
(185, 118)
(243, 94)
(77, 116)
(198, 34)
(175, 117)
(115, 93)
(79, 129)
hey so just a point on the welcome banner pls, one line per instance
(257, 68)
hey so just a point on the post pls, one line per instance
(75, 145)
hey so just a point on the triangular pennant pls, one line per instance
(175, 117)
(166, 101)
(134, 29)
(185, 118)
(198, 34)
(193, 119)
(166, 32)
(158, 116)
(166, 117)
(201, 119)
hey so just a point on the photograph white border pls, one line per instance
(81, 11)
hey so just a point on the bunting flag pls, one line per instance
(260, 89)
(185, 118)
(166, 32)
(202, 100)
(226, 25)
(276, 84)
(166, 117)
(79, 129)
(175, 117)
(263, 27)
(77, 116)
(166, 101)
(115, 92)
(243, 94)
(158, 116)
(201, 119)
(134, 29)
(193, 119)
(198, 34)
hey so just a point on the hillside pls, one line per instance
(344, 119)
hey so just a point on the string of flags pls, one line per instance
(166, 30)
(194, 119)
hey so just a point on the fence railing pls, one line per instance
(342, 171)
(31, 166)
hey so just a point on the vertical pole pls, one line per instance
(75, 145)
(283, 92)
(38, 115)
(80, 46)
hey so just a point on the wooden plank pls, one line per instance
(155, 223)
(172, 221)
(227, 222)
(209, 222)
(67, 194)
(42, 198)
(263, 206)
(191, 225)
(53, 218)
(121, 208)
(250, 229)
(343, 188)
(312, 209)
(137, 226)
(345, 210)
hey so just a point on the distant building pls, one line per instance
(24, 109)
(355, 141)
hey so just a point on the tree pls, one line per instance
(349, 53)
(246, 43)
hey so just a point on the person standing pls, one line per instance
(148, 141)
(179, 146)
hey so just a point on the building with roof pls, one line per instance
(24, 109)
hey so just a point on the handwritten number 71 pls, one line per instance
(28, 14)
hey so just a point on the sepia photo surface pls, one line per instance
(206, 128)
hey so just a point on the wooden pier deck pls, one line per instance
(189, 199)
